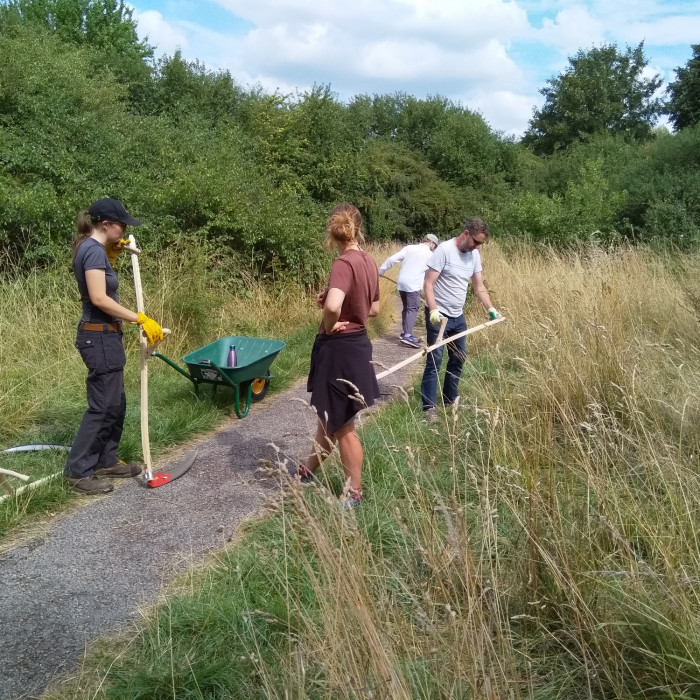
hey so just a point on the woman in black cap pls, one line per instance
(94, 452)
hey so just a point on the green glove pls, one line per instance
(435, 317)
(151, 329)
(113, 249)
(493, 314)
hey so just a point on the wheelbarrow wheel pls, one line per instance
(259, 387)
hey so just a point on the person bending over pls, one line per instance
(414, 259)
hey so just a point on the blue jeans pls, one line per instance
(456, 355)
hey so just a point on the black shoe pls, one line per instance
(90, 485)
(120, 470)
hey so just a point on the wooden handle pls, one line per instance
(143, 343)
(131, 248)
(8, 472)
(443, 325)
(425, 351)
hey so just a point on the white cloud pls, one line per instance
(161, 33)
(366, 19)
(573, 28)
(485, 53)
(506, 111)
(666, 31)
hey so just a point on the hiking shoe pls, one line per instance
(410, 340)
(120, 470)
(302, 473)
(90, 485)
(351, 498)
(430, 415)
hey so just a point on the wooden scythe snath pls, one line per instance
(161, 478)
(143, 343)
(440, 342)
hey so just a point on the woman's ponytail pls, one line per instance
(85, 225)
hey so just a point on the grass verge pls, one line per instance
(197, 295)
(539, 541)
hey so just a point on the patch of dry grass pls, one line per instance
(539, 541)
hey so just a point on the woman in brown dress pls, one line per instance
(342, 380)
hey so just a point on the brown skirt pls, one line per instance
(335, 360)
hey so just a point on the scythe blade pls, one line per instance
(162, 478)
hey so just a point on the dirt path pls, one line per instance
(94, 568)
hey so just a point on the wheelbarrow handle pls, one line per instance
(174, 365)
(152, 349)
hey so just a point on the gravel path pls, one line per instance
(90, 572)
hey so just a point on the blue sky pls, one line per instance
(492, 56)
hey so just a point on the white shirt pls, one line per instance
(456, 269)
(415, 263)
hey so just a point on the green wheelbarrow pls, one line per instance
(250, 378)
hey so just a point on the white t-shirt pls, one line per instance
(456, 269)
(414, 259)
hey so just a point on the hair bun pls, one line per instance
(345, 224)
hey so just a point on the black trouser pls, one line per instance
(98, 437)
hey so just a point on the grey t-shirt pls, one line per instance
(456, 269)
(91, 255)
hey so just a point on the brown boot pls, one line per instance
(120, 470)
(90, 485)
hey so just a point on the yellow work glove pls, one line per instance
(151, 329)
(435, 317)
(113, 248)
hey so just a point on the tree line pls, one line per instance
(86, 111)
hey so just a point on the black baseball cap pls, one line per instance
(108, 209)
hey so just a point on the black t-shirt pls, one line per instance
(91, 255)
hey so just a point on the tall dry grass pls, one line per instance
(193, 294)
(548, 527)
(539, 541)
(199, 294)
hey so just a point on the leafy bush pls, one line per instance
(586, 211)
(664, 190)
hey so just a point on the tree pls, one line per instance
(684, 105)
(103, 25)
(601, 90)
(181, 89)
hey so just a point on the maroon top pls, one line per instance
(355, 273)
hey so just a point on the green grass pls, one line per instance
(42, 385)
(539, 541)
(176, 415)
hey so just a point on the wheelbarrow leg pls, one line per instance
(244, 413)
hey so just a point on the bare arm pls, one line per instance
(97, 291)
(430, 279)
(374, 309)
(331, 311)
(480, 290)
